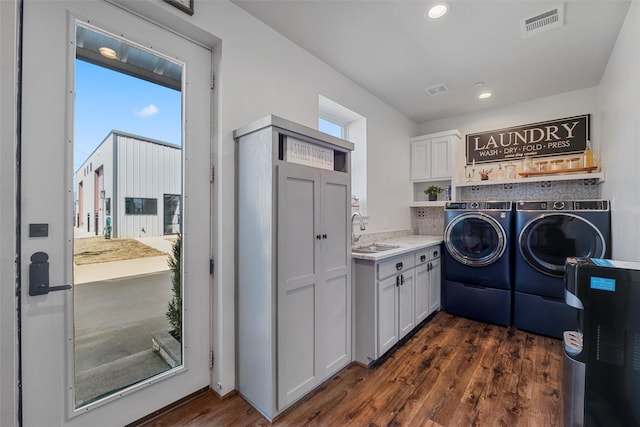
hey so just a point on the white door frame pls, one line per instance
(46, 364)
(9, 357)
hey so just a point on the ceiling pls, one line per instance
(390, 49)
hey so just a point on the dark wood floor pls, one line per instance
(452, 372)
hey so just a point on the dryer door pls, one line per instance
(548, 240)
(475, 239)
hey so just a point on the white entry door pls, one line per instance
(105, 298)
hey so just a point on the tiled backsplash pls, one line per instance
(428, 220)
(431, 220)
(582, 189)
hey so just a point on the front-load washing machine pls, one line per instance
(478, 260)
(547, 234)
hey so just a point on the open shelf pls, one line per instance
(557, 172)
(599, 176)
(427, 204)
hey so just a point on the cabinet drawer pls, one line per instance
(395, 265)
(427, 255)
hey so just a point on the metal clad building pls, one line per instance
(132, 181)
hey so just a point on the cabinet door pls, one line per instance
(435, 279)
(441, 157)
(297, 278)
(335, 314)
(422, 306)
(420, 160)
(406, 313)
(387, 314)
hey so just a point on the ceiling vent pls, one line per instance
(437, 89)
(544, 21)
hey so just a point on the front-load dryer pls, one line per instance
(478, 260)
(547, 233)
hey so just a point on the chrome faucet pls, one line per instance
(362, 227)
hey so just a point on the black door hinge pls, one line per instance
(211, 266)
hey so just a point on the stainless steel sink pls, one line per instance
(374, 248)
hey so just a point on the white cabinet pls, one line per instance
(387, 314)
(421, 160)
(434, 160)
(294, 277)
(392, 297)
(406, 312)
(432, 156)
(396, 316)
(428, 282)
(422, 305)
(435, 285)
(313, 280)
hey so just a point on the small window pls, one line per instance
(332, 127)
(337, 120)
(140, 206)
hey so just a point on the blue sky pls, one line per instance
(107, 100)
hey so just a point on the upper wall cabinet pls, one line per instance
(432, 156)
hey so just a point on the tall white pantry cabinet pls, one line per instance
(293, 261)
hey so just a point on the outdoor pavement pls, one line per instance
(132, 267)
(117, 269)
(117, 309)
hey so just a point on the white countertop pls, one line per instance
(405, 243)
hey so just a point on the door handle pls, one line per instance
(39, 276)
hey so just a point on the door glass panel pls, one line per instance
(127, 220)
(549, 241)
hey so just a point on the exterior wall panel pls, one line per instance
(102, 157)
(145, 170)
(132, 167)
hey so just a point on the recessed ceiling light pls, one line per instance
(484, 95)
(437, 10)
(107, 52)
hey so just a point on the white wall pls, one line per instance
(567, 104)
(620, 105)
(8, 117)
(263, 73)
(259, 72)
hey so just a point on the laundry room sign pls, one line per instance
(551, 138)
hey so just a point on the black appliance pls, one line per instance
(478, 260)
(601, 370)
(547, 234)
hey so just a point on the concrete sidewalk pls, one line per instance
(117, 269)
(88, 273)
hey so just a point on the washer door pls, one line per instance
(475, 239)
(548, 240)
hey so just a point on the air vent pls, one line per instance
(437, 89)
(544, 21)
